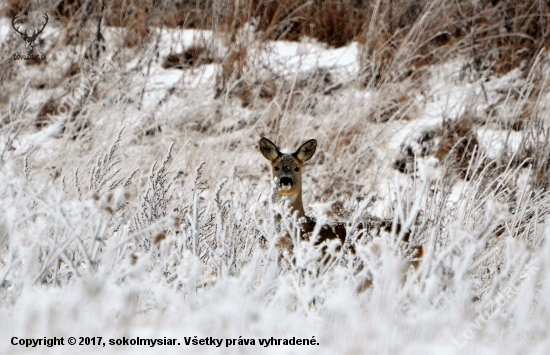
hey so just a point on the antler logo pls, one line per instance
(29, 40)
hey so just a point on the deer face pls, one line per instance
(287, 168)
(29, 44)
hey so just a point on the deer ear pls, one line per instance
(306, 150)
(269, 149)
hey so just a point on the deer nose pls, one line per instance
(286, 183)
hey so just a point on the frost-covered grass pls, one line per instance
(143, 209)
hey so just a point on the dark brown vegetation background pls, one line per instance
(506, 32)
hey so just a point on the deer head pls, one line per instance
(287, 170)
(29, 40)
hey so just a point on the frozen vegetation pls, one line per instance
(134, 201)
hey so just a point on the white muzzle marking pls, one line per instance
(286, 187)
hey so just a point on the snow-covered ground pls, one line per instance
(143, 209)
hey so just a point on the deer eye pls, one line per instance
(276, 168)
(296, 169)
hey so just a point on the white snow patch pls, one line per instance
(497, 142)
(290, 58)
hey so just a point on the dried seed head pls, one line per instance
(177, 222)
(134, 258)
(159, 238)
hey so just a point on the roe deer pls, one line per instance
(287, 172)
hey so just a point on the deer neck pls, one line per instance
(296, 204)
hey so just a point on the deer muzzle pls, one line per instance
(286, 183)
